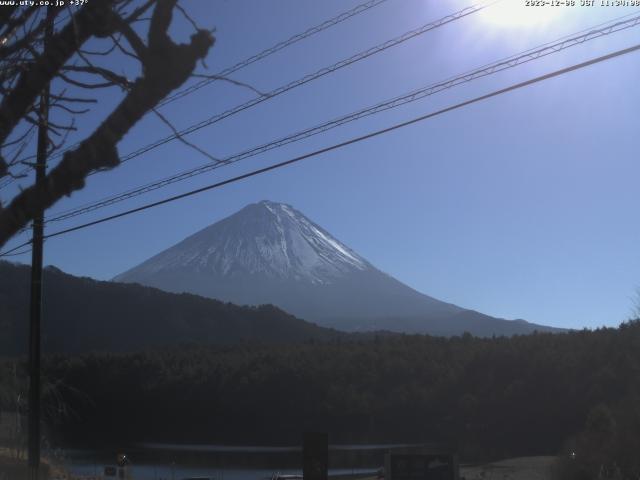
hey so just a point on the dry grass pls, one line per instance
(12, 468)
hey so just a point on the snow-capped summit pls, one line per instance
(266, 238)
(269, 252)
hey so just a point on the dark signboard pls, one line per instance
(110, 471)
(315, 463)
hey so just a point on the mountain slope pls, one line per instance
(81, 315)
(271, 253)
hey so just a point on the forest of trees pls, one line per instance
(84, 315)
(499, 397)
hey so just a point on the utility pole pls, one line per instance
(36, 278)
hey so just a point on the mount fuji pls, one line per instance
(270, 253)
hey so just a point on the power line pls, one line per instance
(275, 48)
(341, 17)
(308, 78)
(351, 141)
(488, 69)
(10, 252)
(301, 81)
(254, 58)
(17, 254)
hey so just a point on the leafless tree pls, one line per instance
(135, 30)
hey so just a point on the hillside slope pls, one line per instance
(269, 252)
(81, 314)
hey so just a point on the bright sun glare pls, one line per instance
(516, 14)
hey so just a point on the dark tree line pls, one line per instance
(84, 315)
(500, 397)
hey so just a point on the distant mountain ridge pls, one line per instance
(269, 252)
(83, 315)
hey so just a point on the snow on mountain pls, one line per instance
(266, 238)
(269, 252)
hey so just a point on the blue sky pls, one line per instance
(523, 206)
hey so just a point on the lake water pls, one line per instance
(223, 462)
(178, 472)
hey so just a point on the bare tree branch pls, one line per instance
(73, 99)
(134, 40)
(96, 18)
(103, 53)
(181, 138)
(135, 15)
(230, 80)
(29, 36)
(99, 150)
(118, 44)
(85, 85)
